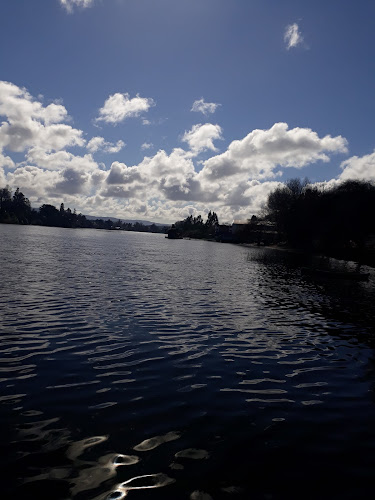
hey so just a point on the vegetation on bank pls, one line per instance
(196, 227)
(338, 220)
(16, 209)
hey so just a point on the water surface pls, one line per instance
(132, 365)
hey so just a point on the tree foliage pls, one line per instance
(324, 219)
(196, 227)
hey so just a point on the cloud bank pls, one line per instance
(59, 163)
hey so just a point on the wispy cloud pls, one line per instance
(147, 145)
(70, 5)
(292, 36)
(118, 107)
(204, 107)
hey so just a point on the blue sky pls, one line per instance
(155, 109)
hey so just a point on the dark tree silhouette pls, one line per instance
(337, 220)
(195, 227)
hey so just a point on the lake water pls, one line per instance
(136, 366)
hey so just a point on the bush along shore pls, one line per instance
(337, 221)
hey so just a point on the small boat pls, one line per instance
(342, 275)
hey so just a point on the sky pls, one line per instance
(158, 109)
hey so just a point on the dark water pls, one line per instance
(132, 365)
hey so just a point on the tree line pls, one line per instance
(336, 220)
(16, 209)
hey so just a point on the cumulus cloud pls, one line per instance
(118, 107)
(60, 160)
(260, 152)
(201, 137)
(29, 124)
(73, 181)
(200, 106)
(165, 176)
(41, 184)
(100, 144)
(359, 168)
(173, 179)
(292, 36)
(6, 161)
(122, 174)
(17, 104)
(33, 181)
(69, 5)
(165, 186)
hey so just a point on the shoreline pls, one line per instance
(366, 259)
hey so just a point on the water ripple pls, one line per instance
(125, 337)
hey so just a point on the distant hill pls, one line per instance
(132, 221)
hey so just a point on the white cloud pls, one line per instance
(60, 160)
(17, 104)
(164, 187)
(164, 176)
(33, 181)
(6, 161)
(359, 168)
(204, 107)
(69, 5)
(99, 143)
(122, 174)
(73, 181)
(260, 152)
(292, 36)
(29, 124)
(118, 107)
(3, 180)
(41, 184)
(201, 137)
